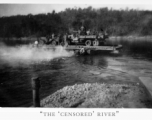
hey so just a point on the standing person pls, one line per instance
(82, 31)
(52, 36)
(101, 33)
(88, 32)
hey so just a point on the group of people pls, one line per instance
(62, 38)
(83, 31)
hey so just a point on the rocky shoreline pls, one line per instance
(97, 95)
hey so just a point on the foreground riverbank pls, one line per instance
(99, 96)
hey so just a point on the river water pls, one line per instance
(15, 81)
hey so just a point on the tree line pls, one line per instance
(115, 22)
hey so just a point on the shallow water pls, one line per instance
(15, 83)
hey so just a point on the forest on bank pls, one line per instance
(115, 22)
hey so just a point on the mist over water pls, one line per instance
(27, 54)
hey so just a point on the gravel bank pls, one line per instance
(97, 95)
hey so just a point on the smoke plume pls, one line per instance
(28, 54)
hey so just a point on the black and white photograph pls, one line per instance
(76, 55)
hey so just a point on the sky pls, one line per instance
(8, 7)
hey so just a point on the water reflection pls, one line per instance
(94, 60)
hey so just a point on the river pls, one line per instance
(15, 83)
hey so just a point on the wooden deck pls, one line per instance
(107, 48)
(92, 48)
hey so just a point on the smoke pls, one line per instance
(28, 54)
